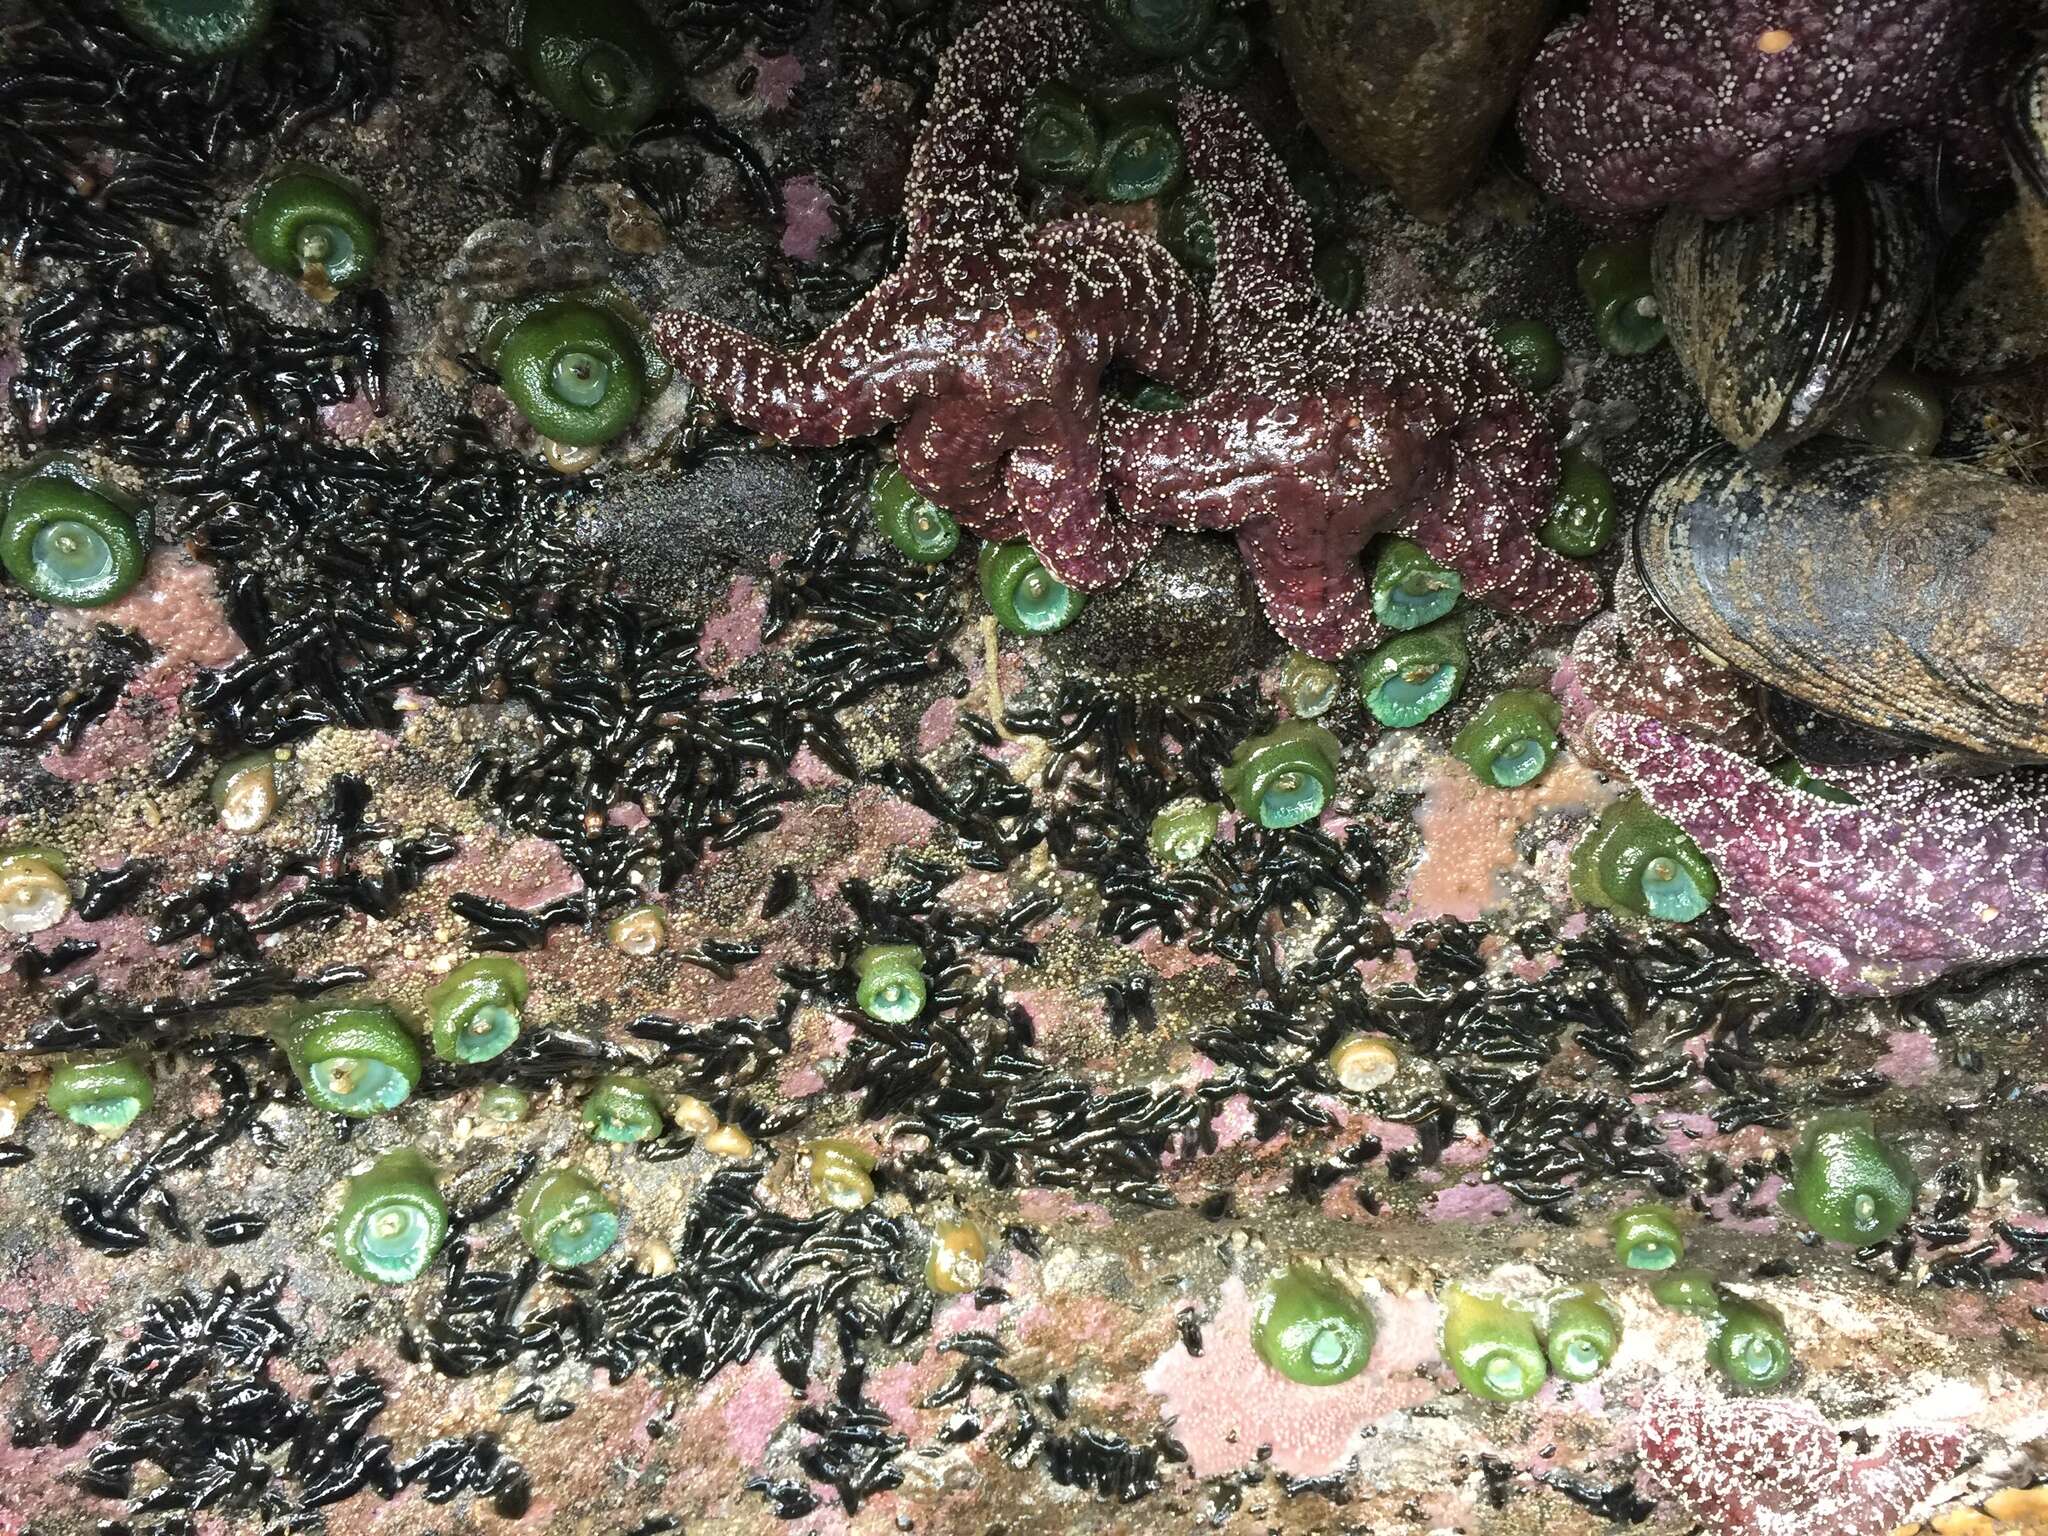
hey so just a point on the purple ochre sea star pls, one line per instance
(1924, 873)
(989, 342)
(1327, 427)
(1724, 106)
(1635, 661)
(1775, 1467)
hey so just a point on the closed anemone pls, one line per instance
(1512, 739)
(600, 63)
(68, 541)
(1311, 1329)
(1409, 589)
(1492, 1347)
(358, 1060)
(889, 982)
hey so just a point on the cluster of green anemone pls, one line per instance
(1423, 669)
(1284, 777)
(1847, 1184)
(1188, 232)
(68, 539)
(1746, 1340)
(1502, 1351)
(393, 1218)
(1122, 149)
(1582, 519)
(1214, 47)
(361, 1059)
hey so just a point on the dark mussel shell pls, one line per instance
(1784, 317)
(1905, 594)
(2024, 122)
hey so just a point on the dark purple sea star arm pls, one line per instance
(1314, 590)
(1928, 874)
(1265, 251)
(1483, 517)
(1217, 466)
(1148, 312)
(1054, 484)
(961, 194)
(856, 378)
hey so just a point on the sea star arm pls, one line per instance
(1265, 251)
(1216, 465)
(1148, 312)
(1873, 898)
(1483, 517)
(860, 375)
(1314, 590)
(961, 194)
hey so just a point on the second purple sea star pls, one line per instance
(989, 342)
(1926, 872)
(1328, 427)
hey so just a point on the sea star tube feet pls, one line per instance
(1925, 873)
(987, 345)
(1327, 427)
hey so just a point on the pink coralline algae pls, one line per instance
(989, 342)
(1327, 427)
(1226, 1402)
(1635, 661)
(1724, 106)
(1775, 1467)
(1927, 872)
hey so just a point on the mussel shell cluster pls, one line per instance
(1902, 593)
(1782, 318)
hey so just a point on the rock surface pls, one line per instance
(1410, 91)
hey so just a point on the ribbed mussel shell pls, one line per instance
(1784, 317)
(1902, 593)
